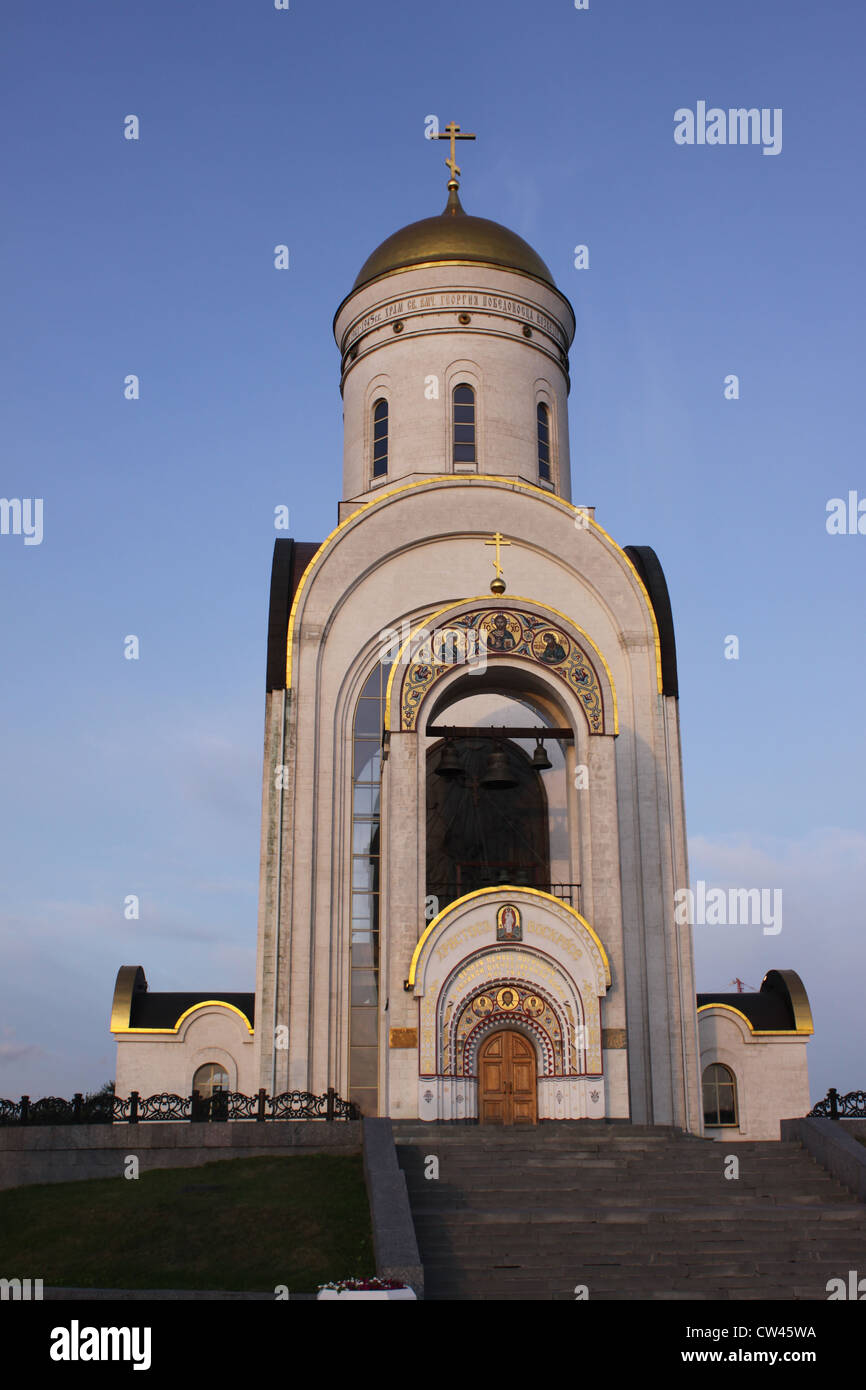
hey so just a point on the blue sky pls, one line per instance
(155, 257)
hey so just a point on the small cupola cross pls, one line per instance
(452, 132)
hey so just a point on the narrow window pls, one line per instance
(720, 1095)
(366, 858)
(464, 424)
(543, 442)
(380, 439)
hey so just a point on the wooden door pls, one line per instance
(506, 1080)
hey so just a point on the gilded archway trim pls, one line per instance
(458, 480)
(504, 890)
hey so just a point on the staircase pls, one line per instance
(630, 1211)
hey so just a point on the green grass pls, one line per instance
(243, 1224)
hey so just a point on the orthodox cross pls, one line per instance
(452, 132)
(497, 541)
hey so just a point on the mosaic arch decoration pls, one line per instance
(513, 1002)
(501, 632)
(504, 987)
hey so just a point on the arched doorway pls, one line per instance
(507, 1084)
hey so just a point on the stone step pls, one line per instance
(685, 1153)
(607, 1183)
(605, 1179)
(622, 1128)
(566, 1263)
(610, 1168)
(648, 1242)
(578, 1198)
(482, 1293)
(453, 1195)
(589, 1217)
(562, 1161)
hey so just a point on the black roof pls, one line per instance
(766, 1010)
(648, 566)
(290, 560)
(163, 1010)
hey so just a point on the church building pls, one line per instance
(473, 829)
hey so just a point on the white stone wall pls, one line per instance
(510, 372)
(771, 1071)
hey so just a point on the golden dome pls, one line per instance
(453, 236)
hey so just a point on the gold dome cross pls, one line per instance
(452, 132)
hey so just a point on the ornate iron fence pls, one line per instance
(834, 1107)
(135, 1109)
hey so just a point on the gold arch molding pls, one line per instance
(194, 1008)
(456, 480)
(504, 890)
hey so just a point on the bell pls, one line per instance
(540, 760)
(449, 763)
(497, 774)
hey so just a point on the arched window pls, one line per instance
(380, 439)
(464, 424)
(210, 1078)
(720, 1095)
(366, 846)
(543, 415)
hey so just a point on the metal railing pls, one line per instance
(135, 1109)
(449, 892)
(834, 1107)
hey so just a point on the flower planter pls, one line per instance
(402, 1294)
